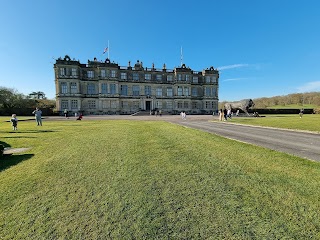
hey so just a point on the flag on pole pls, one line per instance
(105, 50)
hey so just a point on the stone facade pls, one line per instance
(107, 88)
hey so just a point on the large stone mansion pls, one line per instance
(107, 88)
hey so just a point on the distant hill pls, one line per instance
(290, 101)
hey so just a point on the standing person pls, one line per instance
(237, 113)
(65, 113)
(181, 114)
(225, 114)
(14, 122)
(220, 114)
(184, 115)
(37, 113)
(301, 113)
(160, 112)
(229, 113)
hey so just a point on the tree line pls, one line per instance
(11, 101)
(299, 99)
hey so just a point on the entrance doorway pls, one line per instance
(148, 105)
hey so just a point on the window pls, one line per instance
(104, 88)
(214, 92)
(186, 91)
(169, 105)
(91, 88)
(135, 90)
(113, 73)
(179, 104)
(74, 104)
(169, 91)
(180, 91)
(124, 90)
(73, 87)
(207, 79)
(194, 105)
(105, 104)
(92, 104)
(147, 90)
(74, 72)
(135, 76)
(64, 104)
(135, 104)
(214, 79)
(90, 74)
(169, 78)
(123, 76)
(113, 104)
(103, 73)
(209, 104)
(124, 104)
(195, 79)
(112, 88)
(194, 91)
(158, 104)
(208, 91)
(159, 92)
(179, 77)
(147, 76)
(62, 71)
(159, 77)
(187, 77)
(186, 105)
(64, 87)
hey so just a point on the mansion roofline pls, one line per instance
(138, 66)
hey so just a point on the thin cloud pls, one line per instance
(240, 65)
(310, 87)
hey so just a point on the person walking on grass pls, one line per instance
(301, 113)
(14, 122)
(37, 113)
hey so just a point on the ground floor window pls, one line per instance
(124, 104)
(194, 105)
(113, 104)
(135, 104)
(158, 104)
(186, 105)
(92, 104)
(209, 104)
(64, 104)
(180, 105)
(169, 105)
(105, 104)
(74, 104)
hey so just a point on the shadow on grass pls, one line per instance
(30, 131)
(7, 161)
(5, 144)
(19, 137)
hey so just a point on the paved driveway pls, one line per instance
(302, 144)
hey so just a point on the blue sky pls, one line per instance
(263, 48)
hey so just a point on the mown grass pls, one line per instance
(309, 122)
(151, 180)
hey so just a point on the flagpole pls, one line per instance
(108, 51)
(181, 57)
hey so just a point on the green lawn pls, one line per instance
(309, 122)
(151, 180)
